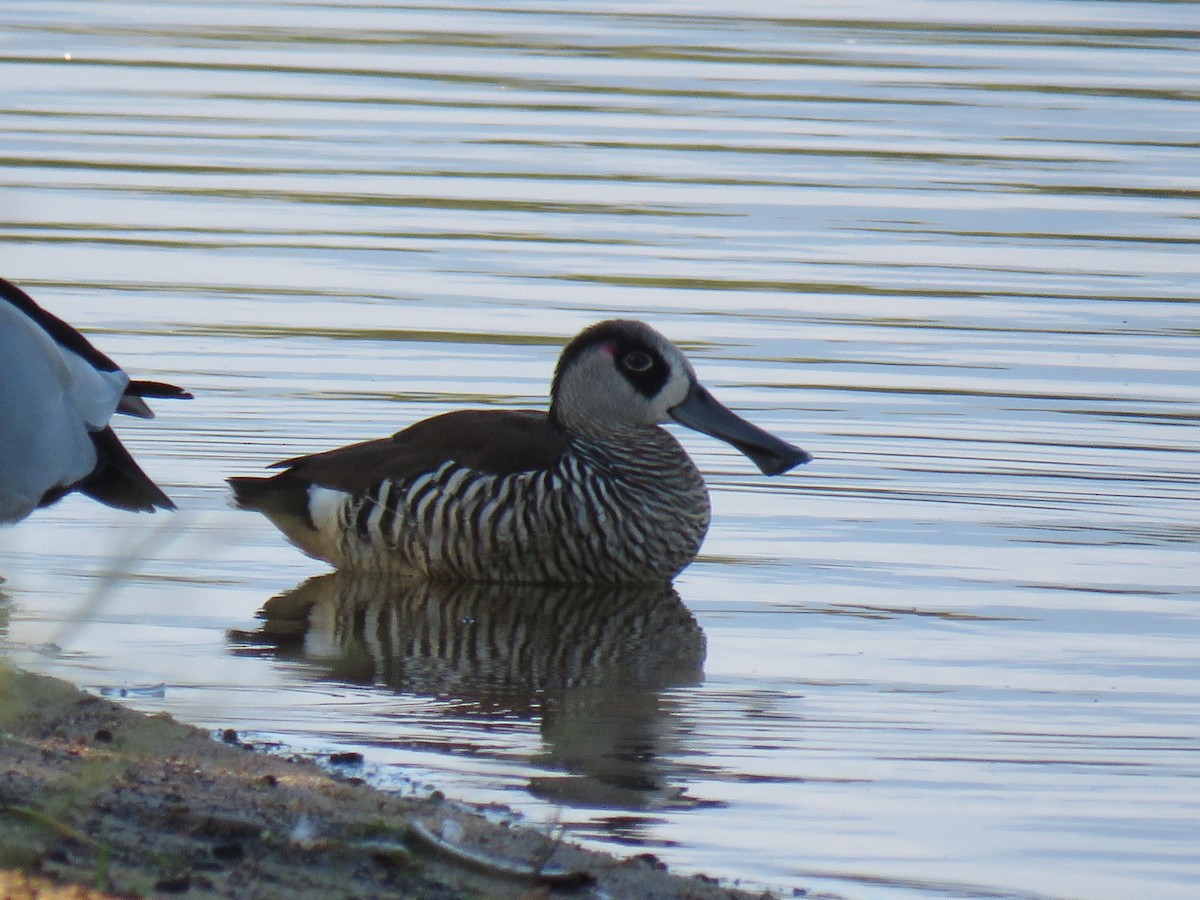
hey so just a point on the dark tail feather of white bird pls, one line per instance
(117, 481)
(132, 403)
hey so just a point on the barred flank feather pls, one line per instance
(609, 511)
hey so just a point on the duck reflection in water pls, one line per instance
(592, 661)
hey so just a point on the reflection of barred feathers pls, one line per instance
(471, 639)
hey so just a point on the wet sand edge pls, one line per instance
(98, 800)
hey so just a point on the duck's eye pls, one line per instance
(637, 361)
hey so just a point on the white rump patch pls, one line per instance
(324, 505)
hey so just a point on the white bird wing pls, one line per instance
(50, 399)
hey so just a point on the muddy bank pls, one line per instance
(97, 800)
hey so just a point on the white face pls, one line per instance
(631, 378)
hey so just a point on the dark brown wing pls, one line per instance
(496, 441)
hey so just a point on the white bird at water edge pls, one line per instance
(57, 395)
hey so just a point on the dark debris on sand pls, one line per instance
(97, 800)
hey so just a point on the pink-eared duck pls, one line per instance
(590, 491)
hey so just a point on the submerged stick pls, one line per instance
(553, 875)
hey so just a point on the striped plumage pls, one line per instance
(567, 523)
(592, 491)
(57, 394)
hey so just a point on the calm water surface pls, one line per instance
(951, 248)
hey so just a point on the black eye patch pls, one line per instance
(637, 359)
(643, 367)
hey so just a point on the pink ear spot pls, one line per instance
(608, 348)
